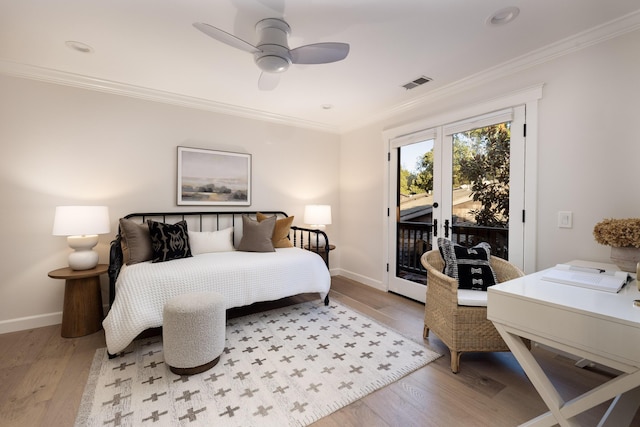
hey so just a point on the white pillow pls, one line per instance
(211, 241)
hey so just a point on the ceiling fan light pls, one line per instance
(272, 63)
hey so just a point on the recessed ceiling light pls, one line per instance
(503, 16)
(79, 46)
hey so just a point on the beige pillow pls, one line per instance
(136, 242)
(256, 236)
(280, 236)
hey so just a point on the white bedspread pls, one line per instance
(242, 278)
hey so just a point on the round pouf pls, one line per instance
(193, 332)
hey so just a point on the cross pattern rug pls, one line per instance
(285, 367)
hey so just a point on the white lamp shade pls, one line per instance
(81, 225)
(81, 220)
(317, 214)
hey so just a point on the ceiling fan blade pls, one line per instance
(268, 81)
(226, 38)
(319, 53)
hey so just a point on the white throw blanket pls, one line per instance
(242, 278)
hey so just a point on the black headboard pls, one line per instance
(304, 238)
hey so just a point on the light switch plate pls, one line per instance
(565, 219)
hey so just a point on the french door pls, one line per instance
(463, 181)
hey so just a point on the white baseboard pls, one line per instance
(30, 322)
(360, 278)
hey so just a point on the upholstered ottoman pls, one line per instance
(193, 332)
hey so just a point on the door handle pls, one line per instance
(435, 228)
(446, 228)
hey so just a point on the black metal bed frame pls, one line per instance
(297, 236)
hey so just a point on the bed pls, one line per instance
(138, 290)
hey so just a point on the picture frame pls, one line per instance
(213, 178)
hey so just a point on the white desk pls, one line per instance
(599, 326)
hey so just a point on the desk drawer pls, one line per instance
(584, 334)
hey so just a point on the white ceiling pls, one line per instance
(149, 48)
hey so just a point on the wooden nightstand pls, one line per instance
(82, 311)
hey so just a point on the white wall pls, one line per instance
(361, 202)
(63, 146)
(588, 154)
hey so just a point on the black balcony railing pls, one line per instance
(414, 239)
(471, 235)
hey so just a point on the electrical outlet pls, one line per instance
(565, 219)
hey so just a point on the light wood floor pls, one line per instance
(42, 376)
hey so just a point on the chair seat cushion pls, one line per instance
(472, 298)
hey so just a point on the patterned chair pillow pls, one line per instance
(471, 267)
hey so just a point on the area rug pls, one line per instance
(285, 367)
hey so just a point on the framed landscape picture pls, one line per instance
(217, 178)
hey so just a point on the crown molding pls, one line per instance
(49, 75)
(610, 30)
(599, 34)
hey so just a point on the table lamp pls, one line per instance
(318, 216)
(81, 225)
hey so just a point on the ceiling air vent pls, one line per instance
(417, 82)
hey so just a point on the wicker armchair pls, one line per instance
(461, 328)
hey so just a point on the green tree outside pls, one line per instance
(406, 178)
(481, 159)
(486, 169)
(423, 181)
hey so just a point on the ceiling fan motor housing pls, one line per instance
(273, 56)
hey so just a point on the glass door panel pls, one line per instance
(480, 188)
(416, 209)
(414, 216)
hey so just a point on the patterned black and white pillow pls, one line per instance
(169, 241)
(470, 266)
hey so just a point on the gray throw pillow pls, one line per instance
(135, 242)
(256, 236)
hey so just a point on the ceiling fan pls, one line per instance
(272, 53)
